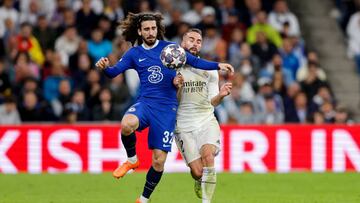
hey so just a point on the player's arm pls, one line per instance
(215, 94)
(203, 64)
(121, 66)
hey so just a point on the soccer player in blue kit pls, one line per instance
(157, 103)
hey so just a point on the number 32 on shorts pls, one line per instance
(168, 138)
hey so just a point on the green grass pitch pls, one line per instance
(178, 188)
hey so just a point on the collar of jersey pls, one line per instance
(155, 44)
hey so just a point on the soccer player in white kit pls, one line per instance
(197, 133)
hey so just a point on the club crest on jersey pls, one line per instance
(156, 76)
(132, 109)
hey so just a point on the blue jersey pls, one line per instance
(156, 80)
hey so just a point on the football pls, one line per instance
(173, 56)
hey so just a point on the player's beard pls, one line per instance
(150, 41)
(194, 51)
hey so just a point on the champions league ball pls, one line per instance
(173, 56)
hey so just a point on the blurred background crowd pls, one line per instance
(48, 49)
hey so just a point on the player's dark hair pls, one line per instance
(132, 23)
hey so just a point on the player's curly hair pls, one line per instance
(132, 23)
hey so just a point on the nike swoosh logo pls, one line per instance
(166, 145)
(140, 60)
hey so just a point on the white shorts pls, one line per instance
(190, 143)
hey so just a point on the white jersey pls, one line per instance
(195, 107)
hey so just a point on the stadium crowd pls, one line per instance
(48, 49)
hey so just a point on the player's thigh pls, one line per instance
(161, 129)
(187, 145)
(209, 140)
(135, 118)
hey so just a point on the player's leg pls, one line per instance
(196, 170)
(154, 174)
(187, 145)
(210, 145)
(208, 181)
(160, 140)
(129, 124)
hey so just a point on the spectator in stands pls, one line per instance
(281, 17)
(263, 49)
(342, 115)
(276, 66)
(290, 61)
(327, 109)
(242, 91)
(57, 16)
(106, 28)
(301, 111)
(248, 15)
(98, 46)
(68, 20)
(323, 94)
(30, 16)
(78, 106)
(106, 110)
(5, 85)
(7, 11)
(226, 9)
(214, 47)
(29, 84)
(172, 28)
(44, 33)
(317, 118)
(8, 45)
(24, 67)
(208, 17)
(83, 67)
(266, 89)
(193, 16)
(271, 113)
(312, 82)
(247, 115)
(121, 96)
(352, 31)
(8, 112)
(30, 109)
(92, 88)
(279, 83)
(303, 71)
(261, 25)
(182, 29)
(67, 44)
(51, 83)
(237, 39)
(114, 11)
(85, 15)
(26, 42)
(64, 97)
(96, 5)
(232, 27)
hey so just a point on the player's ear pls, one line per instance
(139, 32)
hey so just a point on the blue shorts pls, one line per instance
(161, 123)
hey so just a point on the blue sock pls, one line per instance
(152, 179)
(129, 143)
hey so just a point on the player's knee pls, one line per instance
(126, 129)
(158, 163)
(208, 159)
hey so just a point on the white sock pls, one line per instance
(208, 183)
(133, 159)
(143, 199)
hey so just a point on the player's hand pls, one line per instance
(178, 80)
(102, 63)
(226, 67)
(225, 90)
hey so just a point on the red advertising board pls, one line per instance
(97, 148)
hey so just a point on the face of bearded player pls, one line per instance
(192, 42)
(148, 32)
